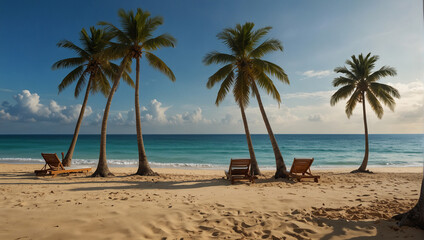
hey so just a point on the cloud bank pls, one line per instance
(311, 113)
(27, 108)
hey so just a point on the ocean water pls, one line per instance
(215, 151)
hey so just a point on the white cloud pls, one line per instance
(156, 114)
(28, 108)
(318, 74)
(410, 107)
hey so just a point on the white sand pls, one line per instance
(200, 204)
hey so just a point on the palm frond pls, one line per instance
(342, 81)
(157, 63)
(241, 88)
(149, 26)
(70, 78)
(382, 72)
(217, 57)
(100, 84)
(381, 87)
(115, 32)
(258, 34)
(341, 93)
(80, 85)
(266, 47)
(346, 72)
(268, 85)
(271, 68)
(219, 75)
(385, 93)
(70, 45)
(164, 40)
(351, 103)
(69, 62)
(375, 104)
(225, 88)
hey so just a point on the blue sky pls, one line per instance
(317, 37)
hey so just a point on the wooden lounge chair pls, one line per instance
(55, 167)
(239, 170)
(301, 168)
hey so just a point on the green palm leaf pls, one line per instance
(342, 93)
(68, 62)
(80, 85)
(266, 47)
(375, 104)
(360, 78)
(164, 40)
(219, 75)
(68, 44)
(272, 69)
(225, 88)
(266, 83)
(71, 77)
(217, 57)
(351, 103)
(157, 63)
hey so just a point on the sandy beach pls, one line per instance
(200, 204)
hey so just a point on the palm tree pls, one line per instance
(245, 62)
(360, 83)
(135, 40)
(90, 62)
(102, 169)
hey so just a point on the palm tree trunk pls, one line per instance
(363, 166)
(281, 170)
(143, 165)
(255, 168)
(102, 168)
(68, 158)
(415, 216)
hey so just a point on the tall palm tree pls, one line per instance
(360, 84)
(102, 169)
(135, 39)
(245, 62)
(91, 63)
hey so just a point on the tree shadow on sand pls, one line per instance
(375, 229)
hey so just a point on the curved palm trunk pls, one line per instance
(68, 158)
(281, 171)
(363, 166)
(254, 164)
(102, 168)
(415, 216)
(143, 165)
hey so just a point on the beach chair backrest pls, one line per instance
(239, 166)
(52, 161)
(301, 165)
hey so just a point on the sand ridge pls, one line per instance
(201, 204)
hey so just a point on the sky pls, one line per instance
(317, 36)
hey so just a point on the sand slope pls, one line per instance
(195, 204)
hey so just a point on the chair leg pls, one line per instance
(316, 180)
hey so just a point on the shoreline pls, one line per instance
(187, 166)
(220, 172)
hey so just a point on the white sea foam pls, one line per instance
(134, 163)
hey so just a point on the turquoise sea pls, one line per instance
(215, 151)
